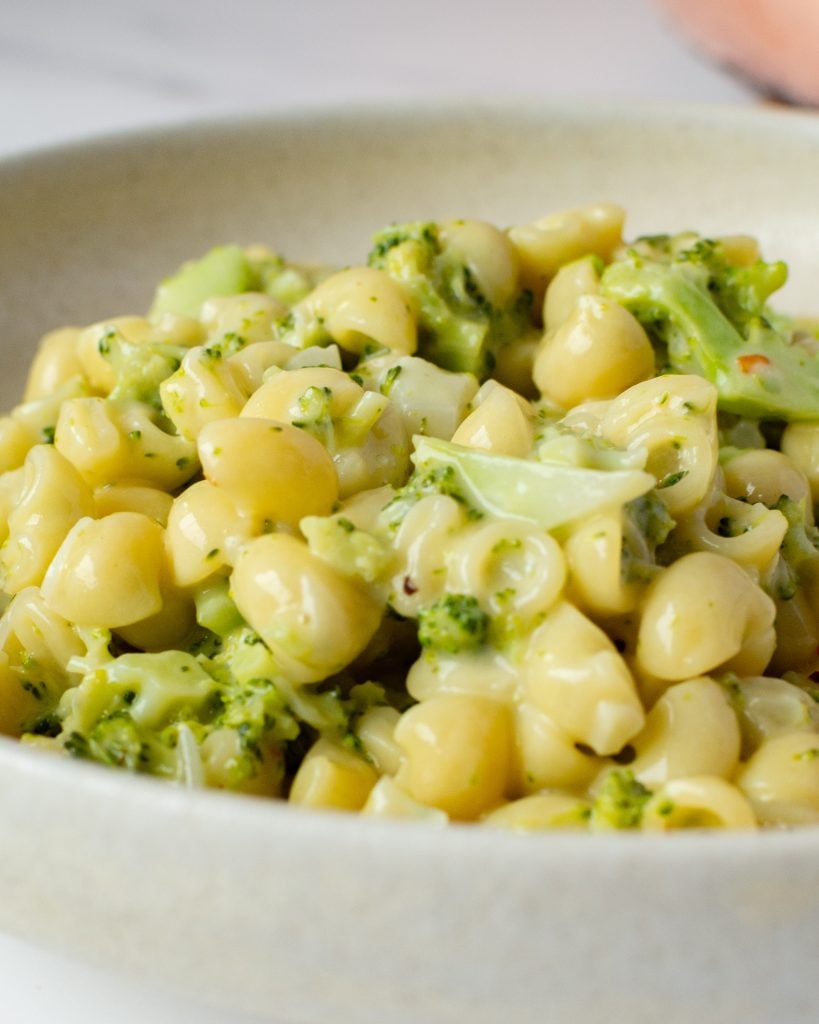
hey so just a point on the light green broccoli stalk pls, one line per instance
(713, 319)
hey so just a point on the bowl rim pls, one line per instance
(773, 116)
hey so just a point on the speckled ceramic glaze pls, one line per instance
(326, 919)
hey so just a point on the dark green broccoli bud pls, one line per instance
(620, 801)
(459, 329)
(115, 740)
(453, 624)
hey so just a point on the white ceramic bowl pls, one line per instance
(327, 919)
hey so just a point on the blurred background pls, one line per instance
(70, 70)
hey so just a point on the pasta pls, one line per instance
(513, 527)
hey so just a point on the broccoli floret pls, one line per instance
(619, 801)
(712, 318)
(258, 713)
(231, 270)
(115, 740)
(453, 624)
(459, 329)
(282, 281)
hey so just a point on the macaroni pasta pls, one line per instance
(502, 526)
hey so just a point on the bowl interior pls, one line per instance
(88, 230)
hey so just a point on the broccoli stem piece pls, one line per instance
(549, 494)
(756, 369)
(224, 270)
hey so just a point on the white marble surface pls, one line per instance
(70, 69)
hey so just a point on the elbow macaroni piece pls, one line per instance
(574, 674)
(596, 352)
(767, 707)
(545, 245)
(388, 800)
(54, 497)
(764, 475)
(314, 620)
(421, 543)
(57, 362)
(691, 730)
(781, 780)
(206, 387)
(514, 569)
(704, 613)
(673, 418)
(800, 443)
(114, 441)
(204, 534)
(546, 756)
(458, 752)
(501, 422)
(699, 801)
(360, 429)
(573, 281)
(360, 306)
(750, 535)
(270, 471)
(594, 553)
(488, 254)
(540, 811)
(107, 571)
(333, 778)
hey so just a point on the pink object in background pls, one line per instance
(773, 42)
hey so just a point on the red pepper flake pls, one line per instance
(409, 586)
(753, 363)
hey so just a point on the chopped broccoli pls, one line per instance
(231, 270)
(453, 624)
(258, 713)
(713, 319)
(352, 551)
(139, 368)
(459, 329)
(215, 609)
(224, 270)
(115, 740)
(799, 561)
(619, 801)
(282, 281)
(646, 527)
(650, 516)
(426, 480)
